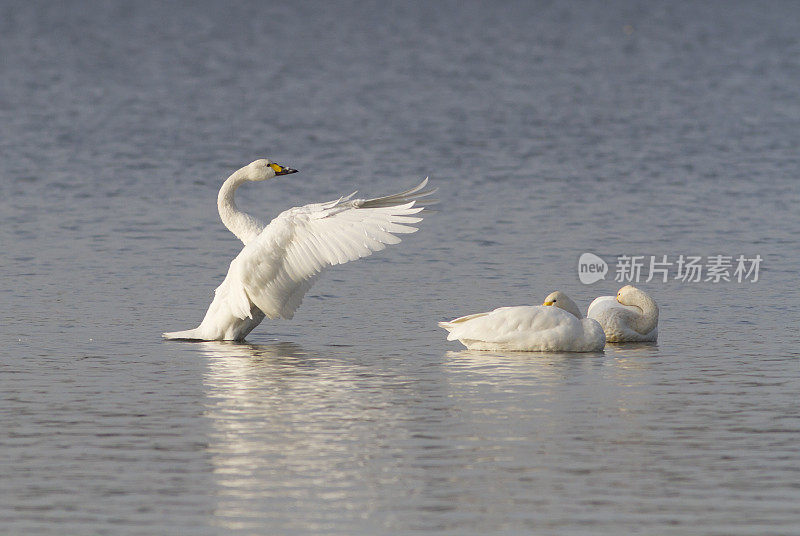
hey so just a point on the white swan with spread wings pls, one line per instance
(282, 260)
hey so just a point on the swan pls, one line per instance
(630, 317)
(282, 260)
(554, 326)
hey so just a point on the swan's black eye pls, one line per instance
(554, 300)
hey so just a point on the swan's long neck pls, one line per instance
(569, 306)
(244, 226)
(648, 320)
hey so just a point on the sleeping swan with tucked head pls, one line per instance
(631, 316)
(554, 326)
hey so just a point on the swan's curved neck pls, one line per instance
(648, 320)
(569, 306)
(244, 226)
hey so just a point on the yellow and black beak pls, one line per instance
(281, 170)
(548, 303)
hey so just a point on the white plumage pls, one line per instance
(282, 260)
(555, 326)
(631, 316)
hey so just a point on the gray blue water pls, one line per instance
(551, 128)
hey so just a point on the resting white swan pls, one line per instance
(555, 326)
(630, 317)
(280, 261)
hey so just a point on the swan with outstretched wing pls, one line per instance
(282, 260)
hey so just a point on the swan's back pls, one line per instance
(526, 328)
(617, 320)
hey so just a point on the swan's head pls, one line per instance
(264, 169)
(632, 296)
(627, 295)
(562, 301)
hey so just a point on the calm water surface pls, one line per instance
(551, 129)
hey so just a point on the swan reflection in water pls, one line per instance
(553, 384)
(298, 439)
(292, 430)
(532, 368)
(617, 360)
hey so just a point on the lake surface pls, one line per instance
(551, 129)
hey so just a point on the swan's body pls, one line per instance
(282, 260)
(631, 316)
(556, 326)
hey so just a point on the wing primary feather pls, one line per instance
(309, 243)
(399, 198)
(337, 247)
(325, 251)
(287, 257)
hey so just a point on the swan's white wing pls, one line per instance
(608, 304)
(617, 320)
(601, 304)
(275, 270)
(526, 328)
(505, 322)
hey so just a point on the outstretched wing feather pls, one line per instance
(276, 269)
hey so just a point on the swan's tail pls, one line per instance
(187, 335)
(449, 326)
